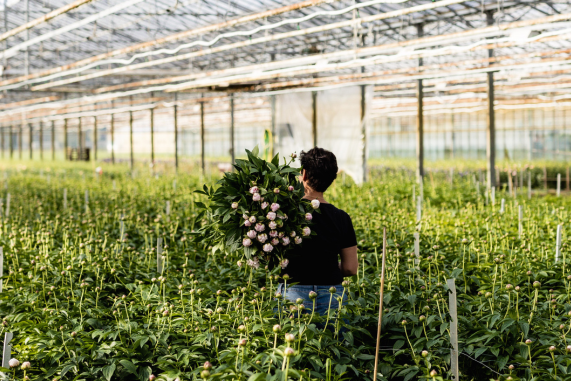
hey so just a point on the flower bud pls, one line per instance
(289, 338)
(312, 295)
(288, 352)
(276, 190)
(332, 290)
(13, 363)
(315, 203)
(242, 342)
(433, 373)
(290, 188)
(308, 216)
(277, 328)
(424, 353)
(234, 205)
(536, 284)
(207, 365)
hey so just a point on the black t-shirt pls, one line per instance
(315, 260)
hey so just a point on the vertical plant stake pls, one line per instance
(416, 249)
(168, 210)
(382, 290)
(8, 197)
(413, 194)
(558, 184)
(503, 206)
(174, 185)
(419, 209)
(160, 255)
(519, 224)
(65, 198)
(86, 201)
(7, 350)
(493, 195)
(453, 328)
(529, 186)
(558, 243)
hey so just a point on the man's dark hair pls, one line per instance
(320, 166)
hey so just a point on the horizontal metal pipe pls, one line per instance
(241, 44)
(171, 38)
(11, 52)
(45, 18)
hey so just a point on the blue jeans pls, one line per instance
(292, 293)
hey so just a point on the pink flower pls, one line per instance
(262, 237)
(234, 205)
(273, 233)
(276, 190)
(247, 223)
(260, 227)
(272, 225)
(290, 188)
(285, 241)
(239, 263)
(292, 234)
(281, 234)
(254, 190)
(256, 197)
(284, 264)
(275, 241)
(252, 219)
(254, 262)
(271, 216)
(267, 248)
(297, 240)
(308, 216)
(306, 231)
(251, 234)
(245, 216)
(247, 242)
(264, 205)
(275, 207)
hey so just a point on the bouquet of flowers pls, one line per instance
(258, 209)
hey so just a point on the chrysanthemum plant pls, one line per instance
(258, 208)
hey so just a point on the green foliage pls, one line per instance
(84, 300)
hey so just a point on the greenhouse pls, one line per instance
(285, 190)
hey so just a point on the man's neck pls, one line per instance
(311, 194)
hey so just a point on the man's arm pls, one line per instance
(349, 262)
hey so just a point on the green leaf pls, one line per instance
(144, 373)
(108, 371)
(257, 377)
(66, 369)
(131, 368)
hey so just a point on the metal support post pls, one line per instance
(53, 140)
(202, 136)
(153, 136)
(11, 141)
(20, 135)
(30, 139)
(132, 161)
(364, 130)
(491, 134)
(175, 136)
(65, 142)
(79, 140)
(41, 140)
(273, 110)
(95, 138)
(112, 138)
(232, 151)
(420, 116)
(491, 130)
(2, 143)
(314, 117)
(420, 132)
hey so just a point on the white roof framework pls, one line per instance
(95, 54)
